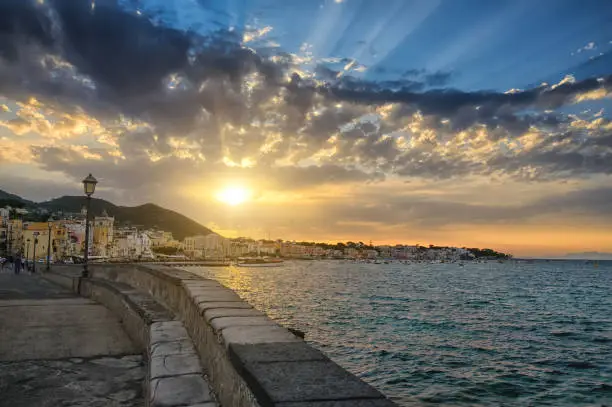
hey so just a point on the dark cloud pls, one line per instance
(438, 78)
(448, 102)
(301, 177)
(224, 100)
(417, 210)
(140, 175)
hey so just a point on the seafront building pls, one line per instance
(103, 235)
(108, 241)
(208, 246)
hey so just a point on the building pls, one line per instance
(75, 237)
(15, 236)
(4, 240)
(238, 249)
(103, 233)
(60, 241)
(351, 252)
(268, 249)
(130, 243)
(161, 238)
(370, 254)
(35, 240)
(207, 246)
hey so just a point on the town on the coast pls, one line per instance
(62, 238)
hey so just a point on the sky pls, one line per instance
(465, 123)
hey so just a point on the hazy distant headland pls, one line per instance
(588, 256)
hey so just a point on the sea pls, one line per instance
(517, 333)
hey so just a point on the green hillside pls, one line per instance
(146, 216)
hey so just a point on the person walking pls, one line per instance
(17, 263)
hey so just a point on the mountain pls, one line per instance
(6, 197)
(147, 216)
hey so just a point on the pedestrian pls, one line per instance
(17, 263)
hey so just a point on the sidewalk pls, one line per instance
(60, 349)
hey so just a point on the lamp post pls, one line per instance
(50, 224)
(9, 225)
(89, 185)
(27, 251)
(34, 255)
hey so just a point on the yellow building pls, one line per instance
(15, 235)
(35, 240)
(103, 232)
(60, 240)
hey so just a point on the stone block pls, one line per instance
(182, 347)
(274, 352)
(196, 290)
(341, 403)
(245, 335)
(232, 312)
(221, 323)
(167, 331)
(215, 296)
(305, 381)
(205, 306)
(193, 284)
(174, 365)
(179, 391)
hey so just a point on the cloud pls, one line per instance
(588, 47)
(141, 102)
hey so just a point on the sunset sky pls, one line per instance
(451, 122)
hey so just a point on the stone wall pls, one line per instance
(249, 359)
(174, 374)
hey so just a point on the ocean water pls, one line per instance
(492, 334)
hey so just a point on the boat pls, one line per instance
(259, 262)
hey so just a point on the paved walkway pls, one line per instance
(60, 349)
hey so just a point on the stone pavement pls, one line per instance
(31, 287)
(97, 382)
(57, 349)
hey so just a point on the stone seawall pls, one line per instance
(249, 360)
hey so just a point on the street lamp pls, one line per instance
(10, 237)
(50, 224)
(89, 185)
(27, 251)
(34, 255)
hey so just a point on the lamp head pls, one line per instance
(89, 185)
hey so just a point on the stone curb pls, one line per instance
(174, 374)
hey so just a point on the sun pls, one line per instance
(233, 195)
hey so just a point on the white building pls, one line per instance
(4, 215)
(207, 246)
(130, 243)
(161, 238)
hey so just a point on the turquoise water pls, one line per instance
(511, 334)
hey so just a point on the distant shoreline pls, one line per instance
(566, 258)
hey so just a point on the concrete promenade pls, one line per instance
(156, 336)
(60, 349)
